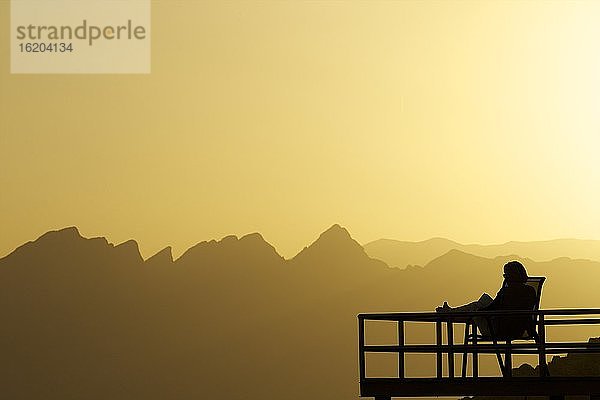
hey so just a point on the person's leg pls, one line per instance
(482, 322)
(483, 301)
(474, 306)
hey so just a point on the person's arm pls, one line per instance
(496, 303)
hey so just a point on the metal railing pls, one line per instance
(540, 346)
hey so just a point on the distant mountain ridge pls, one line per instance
(398, 253)
(84, 318)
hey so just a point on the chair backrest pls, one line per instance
(536, 282)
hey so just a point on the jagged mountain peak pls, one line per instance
(231, 249)
(334, 244)
(253, 237)
(129, 249)
(336, 236)
(336, 231)
(67, 232)
(164, 256)
(55, 240)
(128, 244)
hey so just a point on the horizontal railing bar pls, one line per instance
(582, 321)
(479, 386)
(481, 346)
(557, 350)
(452, 315)
(520, 351)
(490, 351)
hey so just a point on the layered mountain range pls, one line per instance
(401, 254)
(83, 318)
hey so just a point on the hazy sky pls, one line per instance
(476, 121)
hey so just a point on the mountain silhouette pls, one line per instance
(83, 318)
(338, 248)
(399, 253)
(163, 257)
(129, 251)
(232, 250)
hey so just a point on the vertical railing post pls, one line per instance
(451, 348)
(438, 336)
(542, 346)
(508, 359)
(465, 355)
(361, 347)
(401, 349)
(475, 354)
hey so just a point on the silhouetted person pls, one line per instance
(515, 294)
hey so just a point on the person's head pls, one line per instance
(514, 272)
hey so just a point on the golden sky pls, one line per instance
(476, 121)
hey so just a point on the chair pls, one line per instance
(529, 332)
